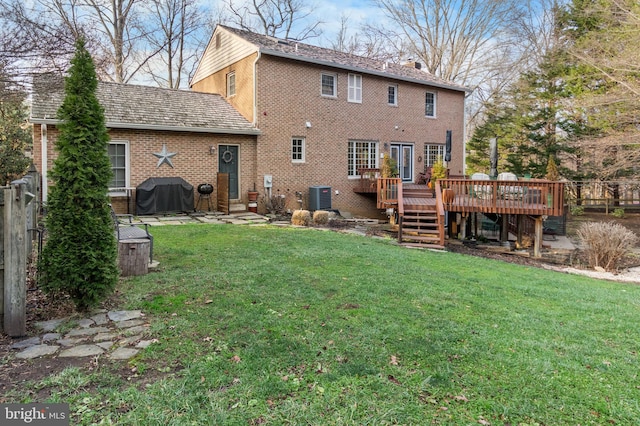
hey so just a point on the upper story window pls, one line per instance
(297, 150)
(231, 84)
(362, 155)
(392, 97)
(430, 104)
(355, 88)
(118, 152)
(329, 84)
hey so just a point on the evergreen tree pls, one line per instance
(80, 254)
(14, 135)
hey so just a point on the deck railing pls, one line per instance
(534, 196)
(388, 190)
(368, 181)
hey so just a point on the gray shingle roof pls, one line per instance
(319, 55)
(130, 106)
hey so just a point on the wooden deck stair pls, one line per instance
(420, 225)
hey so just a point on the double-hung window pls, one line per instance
(362, 155)
(118, 152)
(297, 150)
(430, 104)
(392, 95)
(355, 88)
(231, 84)
(329, 85)
(432, 154)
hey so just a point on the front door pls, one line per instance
(402, 154)
(228, 163)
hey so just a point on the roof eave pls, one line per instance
(159, 127)
(363, 70)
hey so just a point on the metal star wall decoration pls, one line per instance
(164, 156)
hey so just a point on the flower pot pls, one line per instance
(253, 196)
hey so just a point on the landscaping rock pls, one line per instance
(129, 323)
(50, 325)
(86, 331)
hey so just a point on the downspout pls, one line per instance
(255, 90)
(43, 159)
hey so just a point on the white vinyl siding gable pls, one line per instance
(355, 88)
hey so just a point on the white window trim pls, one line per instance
(229, 75)
(435, 104)
(395, 98)
(304, 150)
(335, 84)
(440, 154)
(376, 146)
(116, 192)
(355, 88)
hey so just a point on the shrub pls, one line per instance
(577, 211)
(320, 217)
(80, 256)
(606, 244)
(619, 213)
(301, 217)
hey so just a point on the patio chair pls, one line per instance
(480, 191)
(510, 191)
(126, 229)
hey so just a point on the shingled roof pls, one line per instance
(319, 55)
(128, 106)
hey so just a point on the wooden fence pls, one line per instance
(18, 217)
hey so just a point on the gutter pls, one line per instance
(364, 70)
(160, 127)
(255, 89)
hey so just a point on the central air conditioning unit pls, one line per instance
(319, 198)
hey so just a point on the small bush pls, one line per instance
(320, 217)
(577, 211)
(606, 244)
(301, 217)
(618, 213)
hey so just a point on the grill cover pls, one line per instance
(164, 195)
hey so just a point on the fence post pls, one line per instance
(15, 259)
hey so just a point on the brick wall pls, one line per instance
(289, 97)
(193, 162)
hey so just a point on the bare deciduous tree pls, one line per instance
(176, 31)
(288, 19)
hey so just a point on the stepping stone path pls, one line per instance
(115, 334)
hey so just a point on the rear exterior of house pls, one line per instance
(323, 115)
(143, 122)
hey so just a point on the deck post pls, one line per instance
(463, 226)
(519, 229)
(537, 243)
(504, 228)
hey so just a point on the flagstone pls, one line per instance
(123, 353)
(37, 351)
(82, 350)
(118, 316)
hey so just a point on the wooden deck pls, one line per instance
(535, 198)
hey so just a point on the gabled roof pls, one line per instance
(298, 51)
(128, 106)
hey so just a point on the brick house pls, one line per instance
(324, 114)
(269, 110)
(143, 122)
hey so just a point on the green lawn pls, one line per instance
(265, 325)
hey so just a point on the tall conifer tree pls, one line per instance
(80, 254)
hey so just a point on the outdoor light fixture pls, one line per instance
(308, 124)
(212, 149)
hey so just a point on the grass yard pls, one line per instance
(277, 326)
